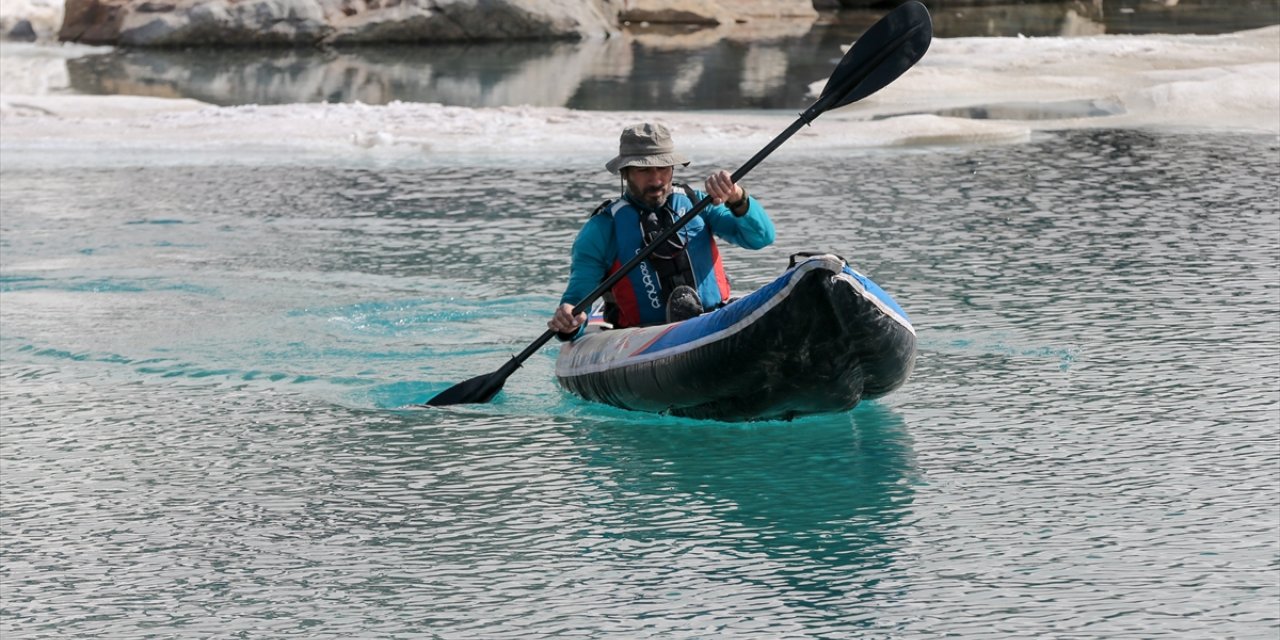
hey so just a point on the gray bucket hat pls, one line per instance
(646, 145)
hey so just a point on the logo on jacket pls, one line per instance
(650, 287)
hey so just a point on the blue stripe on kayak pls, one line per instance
(880, 294)
(726, 317)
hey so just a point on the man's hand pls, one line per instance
(564, 321)
(721, 188)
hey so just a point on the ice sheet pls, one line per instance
(965, 91)
(1229, 81)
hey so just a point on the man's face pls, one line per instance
(650, 185)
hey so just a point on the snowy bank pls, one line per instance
(1229, 81)
(965, 91)
(116, 127)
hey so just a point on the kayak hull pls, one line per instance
(819, 339)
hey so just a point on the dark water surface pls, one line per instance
(203, 367)
(763, 64)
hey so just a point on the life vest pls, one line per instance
(689, 257)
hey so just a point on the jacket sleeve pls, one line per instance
(752, 230)
(590, 258)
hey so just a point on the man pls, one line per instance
(684, 277)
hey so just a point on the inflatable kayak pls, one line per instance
(819, 339)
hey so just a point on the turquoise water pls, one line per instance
(204, 372)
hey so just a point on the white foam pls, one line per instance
(1202, 82)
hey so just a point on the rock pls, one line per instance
(247, 22)
(466, 20)
(309, 22)
(22, 31)
(179, 23)
(663, 38)
(713, 12)
(708, 12)
(28, 20)
(92, 21)
(773, 8)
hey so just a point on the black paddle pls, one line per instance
(884, 52)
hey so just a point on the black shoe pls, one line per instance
(683, 304)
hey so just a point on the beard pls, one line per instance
(653, 196)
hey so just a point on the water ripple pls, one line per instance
(217, 443)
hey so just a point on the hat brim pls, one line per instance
(656, 160)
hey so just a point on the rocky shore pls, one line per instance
(183, 23)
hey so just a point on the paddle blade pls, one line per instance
(477, 390)
(884, 52)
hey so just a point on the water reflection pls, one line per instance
(805, 512)
(758, 65)
(539, 73)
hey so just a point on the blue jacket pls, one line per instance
(596, 253)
